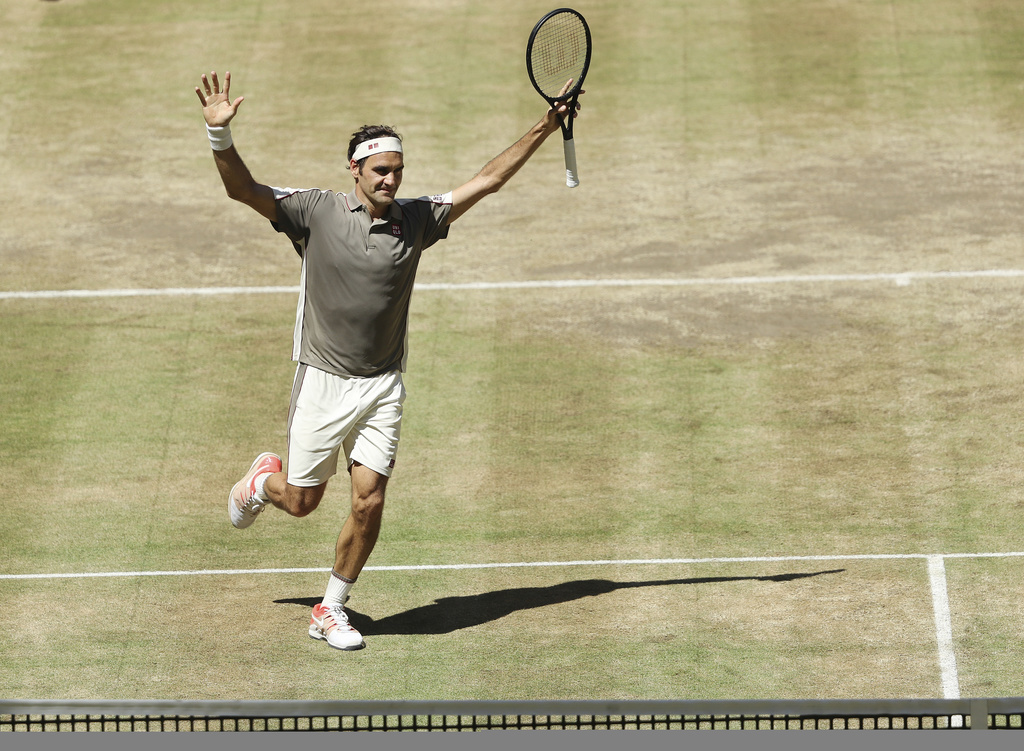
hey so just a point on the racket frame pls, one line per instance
(570, 97)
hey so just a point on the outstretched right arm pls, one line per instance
(219, 111)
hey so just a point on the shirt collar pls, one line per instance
(354, 204)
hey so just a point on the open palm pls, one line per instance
(218, 109)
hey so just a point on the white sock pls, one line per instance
(261, 480)
(337, 589)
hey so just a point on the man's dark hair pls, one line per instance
(368, 133)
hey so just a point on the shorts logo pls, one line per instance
(396, 229)
(391, 464)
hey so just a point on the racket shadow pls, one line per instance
(449, 614)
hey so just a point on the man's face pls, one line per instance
(378, 181)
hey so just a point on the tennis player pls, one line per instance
(359, 253)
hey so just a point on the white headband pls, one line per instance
(377, 146)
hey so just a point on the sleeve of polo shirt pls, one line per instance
(434, 212)
(294, 209)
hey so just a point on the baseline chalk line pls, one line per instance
(902, 278)
(528, 564)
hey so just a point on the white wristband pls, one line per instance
(220, 138)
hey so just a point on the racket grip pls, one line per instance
(571, 174)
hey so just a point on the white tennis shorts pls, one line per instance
(330, 414)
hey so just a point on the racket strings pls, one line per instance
(558, 53)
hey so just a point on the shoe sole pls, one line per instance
(315, 634)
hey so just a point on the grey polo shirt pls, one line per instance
(357, 276)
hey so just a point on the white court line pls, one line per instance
(58, 294)
(902, 278)
(534, 564)
(943, 627)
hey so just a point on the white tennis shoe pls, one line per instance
(243, 504)
(331, 624)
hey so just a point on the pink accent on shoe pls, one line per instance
(331, 624)
(243, 504)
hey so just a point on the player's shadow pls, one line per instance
(448, 614)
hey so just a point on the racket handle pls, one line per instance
(571, 174)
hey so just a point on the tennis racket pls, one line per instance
(557, 59)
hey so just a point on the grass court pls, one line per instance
(716, 424)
